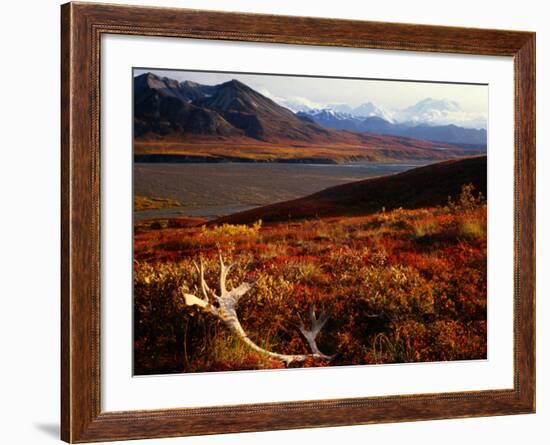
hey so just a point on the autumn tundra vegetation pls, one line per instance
(397, 285)
(380, 259)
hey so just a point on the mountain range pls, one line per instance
(372, 121)
(233, 121)
(425, 112)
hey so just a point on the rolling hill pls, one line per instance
(427, 186)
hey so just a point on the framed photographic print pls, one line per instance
(279, 222)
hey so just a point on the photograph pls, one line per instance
(292, 221)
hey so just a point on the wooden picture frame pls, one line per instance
(82, 26)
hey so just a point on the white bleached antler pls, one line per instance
(311, 334)
(226, 311)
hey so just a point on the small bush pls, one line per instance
(468, 200)
(233, 230)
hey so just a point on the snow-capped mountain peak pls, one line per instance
(340, 108)
(440, 112)
(440, 104)
(368, 109)
(428, 111)
(327, 113)
(336, 112)
(295, 104)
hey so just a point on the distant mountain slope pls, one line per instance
(421, 187)
(258, 116)
(367, 147)
(450, 134)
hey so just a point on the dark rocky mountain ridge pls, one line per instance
(163, 106)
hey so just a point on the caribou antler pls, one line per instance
(226, 311)
(316, 326)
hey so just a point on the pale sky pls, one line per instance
(390, 95)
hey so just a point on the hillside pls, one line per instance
(372, 147)
(427, 186)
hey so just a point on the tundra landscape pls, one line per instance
(273, 232)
